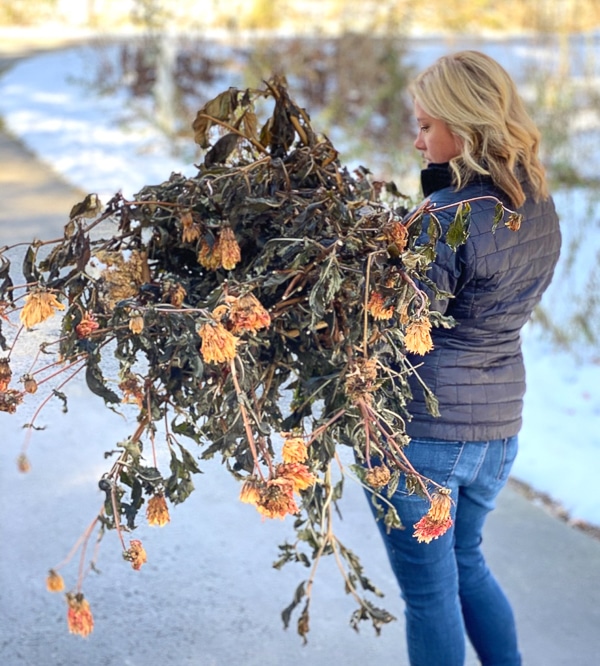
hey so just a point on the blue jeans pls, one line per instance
(446, 585)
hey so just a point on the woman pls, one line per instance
(478, 142)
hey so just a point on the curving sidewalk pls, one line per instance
(208, 596)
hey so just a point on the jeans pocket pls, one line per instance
(509, 448)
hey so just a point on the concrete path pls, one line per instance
(208, 596)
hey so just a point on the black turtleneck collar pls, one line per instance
(435, 177)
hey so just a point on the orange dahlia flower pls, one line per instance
(417, 338)
(79, 615)
(218, 344)
(39, 306)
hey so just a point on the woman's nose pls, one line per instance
(418, 142)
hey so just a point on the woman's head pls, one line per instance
(481, 108)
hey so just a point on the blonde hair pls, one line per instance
(480, 104)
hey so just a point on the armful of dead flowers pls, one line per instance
(261, 311)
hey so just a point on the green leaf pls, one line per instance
(498, 216)
(458, 231)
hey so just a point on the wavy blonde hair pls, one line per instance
(480, 104)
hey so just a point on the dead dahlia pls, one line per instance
(54, 582)
(29, 384)
(10, 400)
(157, 512)
(132, 391)
(209, 255)
(230, 249)
(417, 338)
(250, 492)
(218, 344)
(87, 325)
(23, 464)
(136, 554)
(175, 294)
(79, 615)
(277, 499)
(376, 307)
(378, 476)
(136, 324)
(294, 450)
(190, 231)
(437, 521)
(300, 476)
(247, 314)
(39, 306)
(396, 234)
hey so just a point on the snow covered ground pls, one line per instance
(83, 138)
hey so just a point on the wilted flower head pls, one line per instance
(396, 234)
(79, 615)
(294, 450)
(218, 344)
(54, 582)
(437, 520)
(39, 306)
(299, 474)
(29, 384)
(250, 492)
(135, 554)
(361, 380)
(417, 338)
(209, 255)
(10, 400)
(23, 464)
(87, 325)
(277, 499)
(123, 276)
(230, 249)
(136, 324)
(190, 230)
(157, 512)
(377, 306)
(514, 221)
(378, 476)
(175, 294)
(132, 390)
(247, 314)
